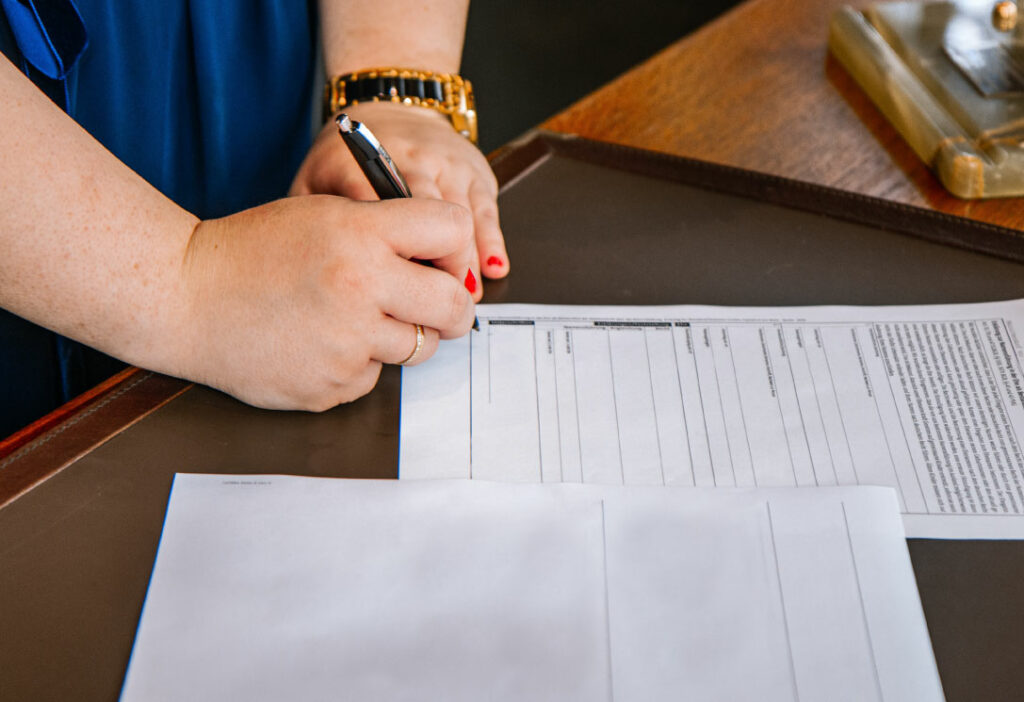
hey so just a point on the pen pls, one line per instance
(376, 164)
(373, 159)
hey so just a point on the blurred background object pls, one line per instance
(529, 59)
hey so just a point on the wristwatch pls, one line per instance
(448, 93)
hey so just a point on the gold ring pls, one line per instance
(416, 351)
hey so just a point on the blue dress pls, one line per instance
(208, 100)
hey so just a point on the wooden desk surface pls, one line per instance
(757, 89)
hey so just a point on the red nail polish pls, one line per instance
(494, 261)
(470, 281)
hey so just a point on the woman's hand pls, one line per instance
(297, 303)
(437, 163)
(294, 304)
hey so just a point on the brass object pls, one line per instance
(457, 102)
(1004, 15)
(950, 79)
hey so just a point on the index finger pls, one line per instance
(430, 230)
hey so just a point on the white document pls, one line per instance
(283, 588)
(928, 400)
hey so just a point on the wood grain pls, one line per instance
(757, 89)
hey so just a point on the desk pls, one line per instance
(75, 551)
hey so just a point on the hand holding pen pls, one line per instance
(437, 163)
(387, 181)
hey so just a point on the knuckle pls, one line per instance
(322, 403)
(424, 160)
(458, 306)
(352, 377)
(309, 397)
(458, 215)
(342, 279)
(487, 210)
(461, 222)
(486, 182)
(366, 381)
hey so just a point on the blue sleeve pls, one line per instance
(208, 100)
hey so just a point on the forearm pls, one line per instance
(89, 248)
(292, 304)
(360, 34)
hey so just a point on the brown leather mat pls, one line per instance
(584, 225)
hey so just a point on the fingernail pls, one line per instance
(494, 261)
(470, 281)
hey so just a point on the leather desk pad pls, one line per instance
(584, 226)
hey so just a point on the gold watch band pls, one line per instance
(448, 93)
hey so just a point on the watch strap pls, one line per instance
(448, 93)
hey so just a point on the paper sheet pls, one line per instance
(270, 588)
(927, 399)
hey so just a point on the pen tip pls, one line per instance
(344, 123)
(476, 324)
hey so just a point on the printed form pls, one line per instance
(928, 400)
(287, 588)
